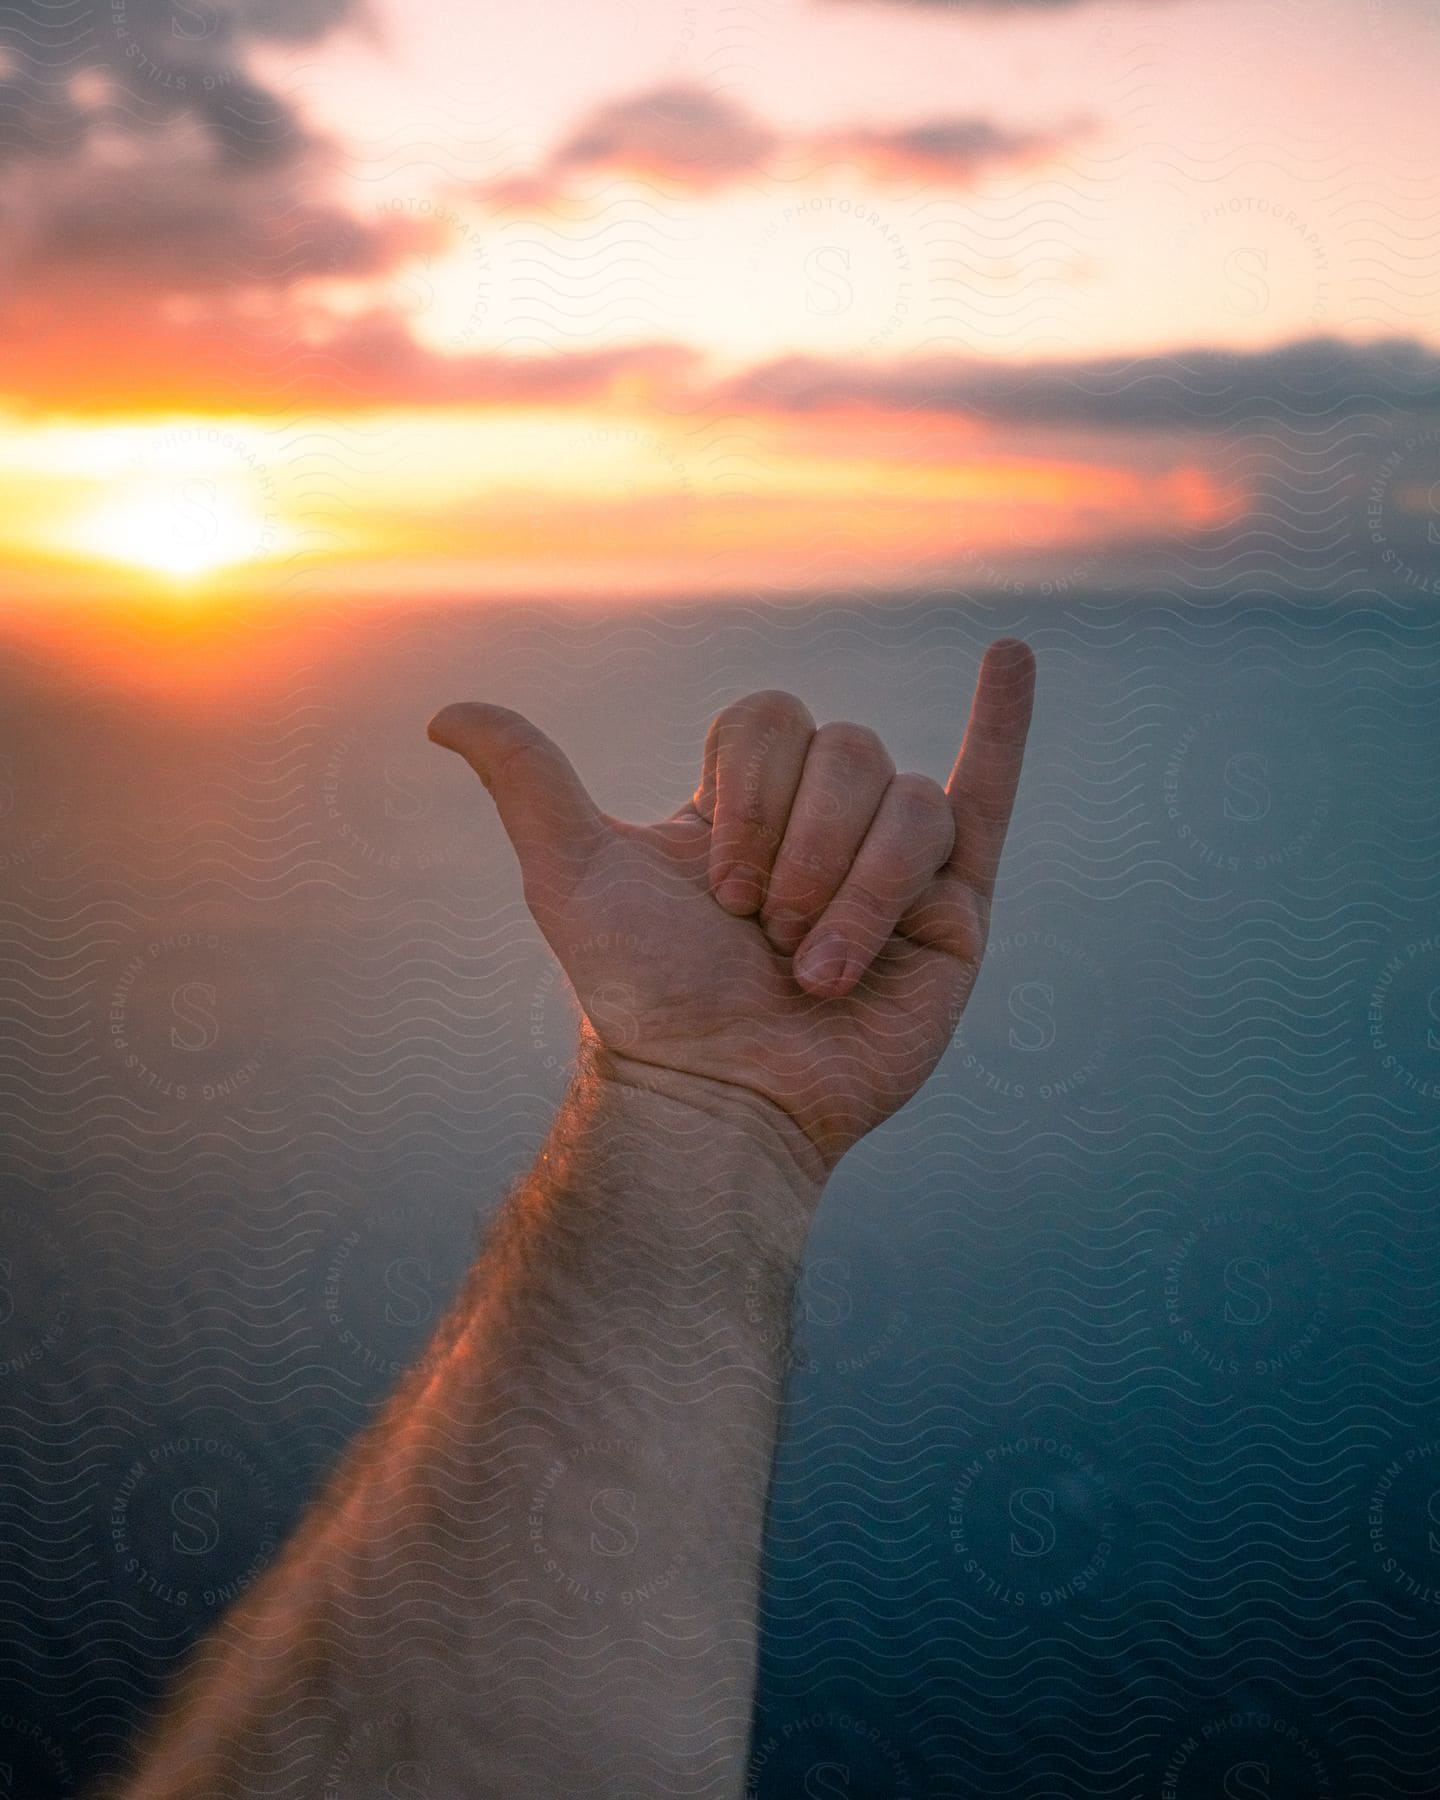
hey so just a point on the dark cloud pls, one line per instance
(1201, 389)
(679, 131)
(699, 140)
(141, 160)
(944, 149)
(71, 69)
(193, 230)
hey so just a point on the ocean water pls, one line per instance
(1111, 1464)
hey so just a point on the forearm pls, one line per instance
(538, 1571)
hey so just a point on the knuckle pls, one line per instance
(962, 917)
(805, 879)
(921, 793)
(873, 898)
(922, 806)
(767, 711)
(826, 803)
(759, 834)
(518, 747)
(996, 804)
(748, 835)
(854, 745)
(812, 865)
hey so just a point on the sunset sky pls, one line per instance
(647, 297)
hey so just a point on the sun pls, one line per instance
(184, 530)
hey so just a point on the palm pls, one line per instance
(664, 975)
(834, 853)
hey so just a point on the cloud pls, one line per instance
(682, 132)
(231, 356)
(72, 71)
(701, 141)
(177, 226)
(374, 360)
(196, 203)
(141, 161)
(1199, 389)
(956, 149)
(226, 351)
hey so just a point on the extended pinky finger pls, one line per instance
(910, 837)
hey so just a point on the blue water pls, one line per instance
(1112, 1457)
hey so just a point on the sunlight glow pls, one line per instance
(184, 529)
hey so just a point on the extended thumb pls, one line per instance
(543, 805)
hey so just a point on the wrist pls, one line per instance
(741, 1119)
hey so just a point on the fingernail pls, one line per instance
(786, 930)
(737, 893)
(438, 730)
(822, 961)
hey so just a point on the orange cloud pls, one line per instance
(69, 357)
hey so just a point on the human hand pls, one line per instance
(806, 929)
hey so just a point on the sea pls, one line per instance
(1110, 1462)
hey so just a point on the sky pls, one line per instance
(312, 296)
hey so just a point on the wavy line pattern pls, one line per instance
(1108, 1450)
(1110, 1464)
